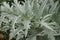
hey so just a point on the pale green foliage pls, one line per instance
(21, 17)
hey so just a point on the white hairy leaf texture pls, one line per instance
(30, 18)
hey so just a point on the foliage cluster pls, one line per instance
(34, 17)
